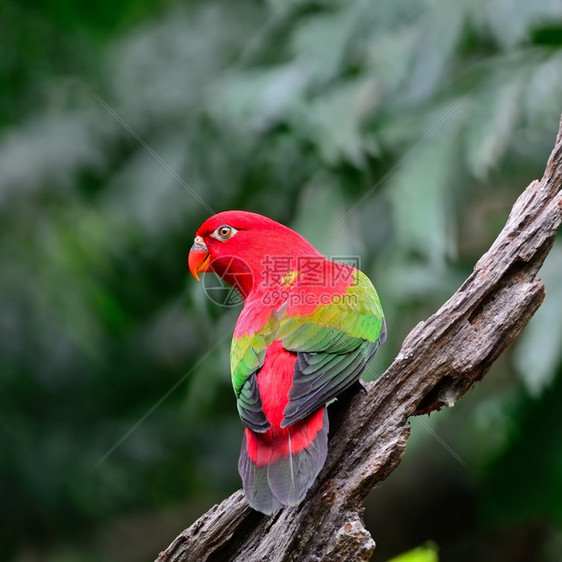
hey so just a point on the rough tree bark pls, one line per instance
(440, 360)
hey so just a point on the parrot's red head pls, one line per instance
(236, 245)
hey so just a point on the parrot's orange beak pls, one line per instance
(199, 258)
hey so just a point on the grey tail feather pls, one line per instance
(254, 480)
(285, 481)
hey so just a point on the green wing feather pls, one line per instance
(333, 346)
(247, 355)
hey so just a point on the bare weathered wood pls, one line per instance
(440, 360)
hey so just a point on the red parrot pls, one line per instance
(307, 330)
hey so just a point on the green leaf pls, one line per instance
(543, 93)
(495, 113)
(426, 553)
(255, 99)
(334, 121)
(511, 21)
(538, 351)
(419, 193)
(439, 33)
(319, 42)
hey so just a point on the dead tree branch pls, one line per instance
(440, 361)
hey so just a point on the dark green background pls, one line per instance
(418, 123)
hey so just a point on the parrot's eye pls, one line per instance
(224, 232)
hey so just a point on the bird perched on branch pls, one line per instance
(307, 330)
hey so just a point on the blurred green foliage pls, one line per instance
(399, 130)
